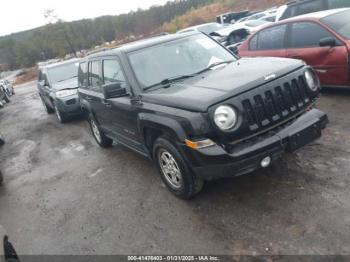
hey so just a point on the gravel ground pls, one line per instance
(65, 195)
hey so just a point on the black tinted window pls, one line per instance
(112, 72)
(82, 75)
(95, 73)
(272, 38)
(307, 35)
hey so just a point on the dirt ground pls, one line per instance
(65, 195)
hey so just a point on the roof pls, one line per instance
(61, 63)
(137, 45)
(318, 15)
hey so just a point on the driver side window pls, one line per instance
(113, 73)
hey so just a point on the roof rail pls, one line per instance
(97, 51)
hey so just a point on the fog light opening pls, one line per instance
(266, 162)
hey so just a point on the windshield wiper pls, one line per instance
(170, 80)
(214, 65)
(66, 79)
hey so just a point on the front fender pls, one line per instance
(162, 123)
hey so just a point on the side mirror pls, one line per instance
(113, 90)
(41, 83)
(328, 41)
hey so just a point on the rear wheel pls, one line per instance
(98, 134)
(174, 171)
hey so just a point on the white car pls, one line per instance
(269, 15)
(228, 34)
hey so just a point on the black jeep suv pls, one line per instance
(196, 109)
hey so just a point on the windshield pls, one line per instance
(208, 29)
(63, 72)
(339, 22)
(176, 58)
(255, 23)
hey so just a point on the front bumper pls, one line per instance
(69, 105)
(216, 162)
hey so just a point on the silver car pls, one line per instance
(58, 89)
(8, 87)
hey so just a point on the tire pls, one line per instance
(7, 98)
(48, 109)
(1, 178)
(174, 171)
(62, 118)
(101, 139)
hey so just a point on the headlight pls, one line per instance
(311, 80)
(225, 117)
(67, 92)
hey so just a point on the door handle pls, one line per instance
(106, 103)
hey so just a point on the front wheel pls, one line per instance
(101, 139)
(7, 98)
(48, 109)
(62, 118)
(174, 171)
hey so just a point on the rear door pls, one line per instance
(331, 63)
(268, 42)
(94, 96)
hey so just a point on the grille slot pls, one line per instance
(273, 104)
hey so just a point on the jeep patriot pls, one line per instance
(198, 111)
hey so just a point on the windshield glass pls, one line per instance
(339, 22)
(208, 29)
(255, 23)
(63, 72)
(176, 58)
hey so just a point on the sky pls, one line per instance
(20, 15)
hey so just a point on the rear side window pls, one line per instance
(270, 38)
(307, 34)
(113, 73)
(82, 75)
(95, 79)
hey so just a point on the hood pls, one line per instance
(201, 92)
(66, 84)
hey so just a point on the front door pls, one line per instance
(330, 63)
(121, 112)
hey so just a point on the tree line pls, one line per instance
(26, 48)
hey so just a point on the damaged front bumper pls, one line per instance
(215, 162)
